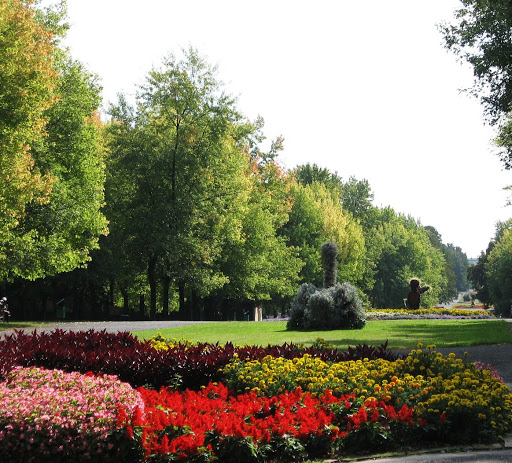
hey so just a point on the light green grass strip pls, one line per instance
(401, 334)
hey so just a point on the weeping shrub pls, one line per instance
(336, 306)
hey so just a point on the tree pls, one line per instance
(27, 84)
(499, 274)
(480, 36)
(68, 227)
(401, 251)
(456, 266)
(52, 101)
(357, 198)
(179, 172)
(307, 174)
(477, 275)
(316, 217)
(258, 261)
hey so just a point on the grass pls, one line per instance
(400, 334)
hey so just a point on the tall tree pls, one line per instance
(258, 261)
(180, 165)
(49, 116)
(27, 84)
(499, 274)
(68, 227)
(450, 290)
(316, 217)
(310, 173)
(402, 250)
(480, 35)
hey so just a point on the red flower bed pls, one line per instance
(213, 424)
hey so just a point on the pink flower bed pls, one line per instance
(49, 415)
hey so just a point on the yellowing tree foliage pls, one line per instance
(27, 81)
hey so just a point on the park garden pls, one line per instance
(174, 206)
(98, 396)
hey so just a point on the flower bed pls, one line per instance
(265, 407)
(49, 415)
(432, 313)
(149, 363)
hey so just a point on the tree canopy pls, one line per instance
(480, 35)
(174, 197)
(51, 154)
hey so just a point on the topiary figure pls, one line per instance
(349, 312)
(329, 263)
(336, 306)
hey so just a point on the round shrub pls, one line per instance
(319, 311)
(299, 303)
(337, 307)
(348, 307)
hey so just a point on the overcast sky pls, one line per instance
(361, 88)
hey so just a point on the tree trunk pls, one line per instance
(142, 306)
(126, 300)
(152, 287)
(111, 293)
(165, 301)
(181, 292)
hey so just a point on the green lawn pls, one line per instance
(401, 334)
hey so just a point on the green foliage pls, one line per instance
(316, 217)
(201, 211)
(489, 280)
(48, 125)
(455, 267)
(335, 307)
(480, 36)
(402, 250)
(499, 275)
(27, 83)
(68, 227)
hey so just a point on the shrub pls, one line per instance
(299, 303)
(52, 416)
(319, 311)
(337, 307)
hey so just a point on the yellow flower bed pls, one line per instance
(433, 311)
(160, 342)
(445, 391)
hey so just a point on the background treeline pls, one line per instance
(177, 206)
(491, 276)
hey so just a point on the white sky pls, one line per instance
(361, 88)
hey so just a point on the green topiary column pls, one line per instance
(329, 263)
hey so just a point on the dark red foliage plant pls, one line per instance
(138, 363)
